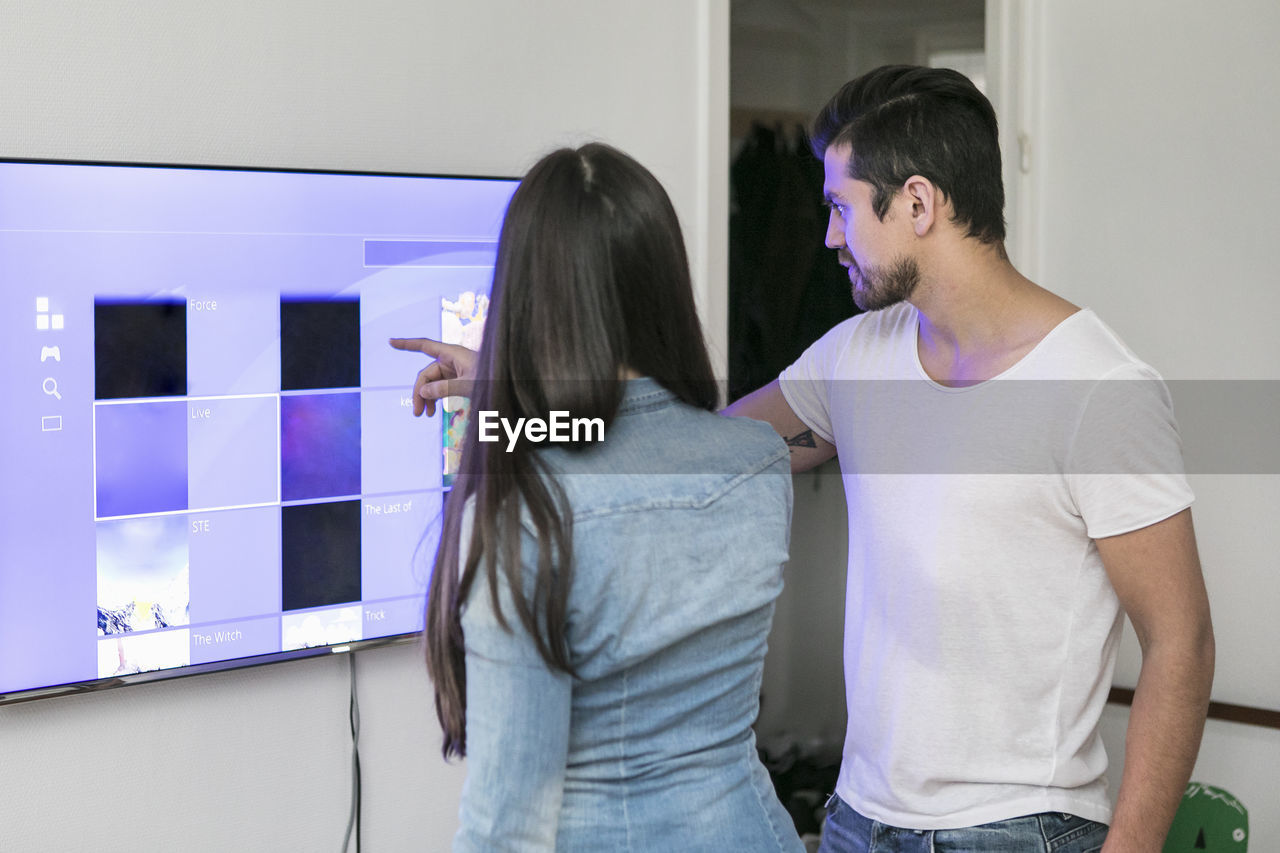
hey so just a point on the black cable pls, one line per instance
(353, 822)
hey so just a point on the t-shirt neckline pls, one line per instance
(1004, 374)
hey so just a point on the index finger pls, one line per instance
(431, 347)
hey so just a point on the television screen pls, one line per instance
(208, 447)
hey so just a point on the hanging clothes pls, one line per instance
(785, 287)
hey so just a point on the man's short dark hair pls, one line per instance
(904, 120)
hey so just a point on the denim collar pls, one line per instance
(643, 394)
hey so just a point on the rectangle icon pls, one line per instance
(51, 423)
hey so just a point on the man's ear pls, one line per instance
(925, 201)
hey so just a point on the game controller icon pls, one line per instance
(47, 353)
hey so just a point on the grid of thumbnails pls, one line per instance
(263, 504)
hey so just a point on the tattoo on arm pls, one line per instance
(803, 439)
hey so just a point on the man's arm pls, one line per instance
(767, 404)
(453, 372)
(1156, 574)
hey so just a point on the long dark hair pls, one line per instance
(591, 278)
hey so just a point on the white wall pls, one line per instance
(1160, 178)
(259, 759)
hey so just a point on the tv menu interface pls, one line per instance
(208, 447)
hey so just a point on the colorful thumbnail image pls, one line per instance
(321, 627)
(124, 655)
(319, 445)
(143, 581)
(461, 322)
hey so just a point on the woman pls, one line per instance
(598, 611)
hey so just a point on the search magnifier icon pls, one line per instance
(51, 387)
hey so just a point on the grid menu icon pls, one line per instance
(46, 319)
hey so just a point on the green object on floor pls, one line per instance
(1209, 819)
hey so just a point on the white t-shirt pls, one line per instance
(980, 626)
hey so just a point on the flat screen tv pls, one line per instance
(208, 451)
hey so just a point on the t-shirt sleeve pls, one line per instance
(1125, 467)
(806, 384)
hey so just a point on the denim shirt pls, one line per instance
(680, 525)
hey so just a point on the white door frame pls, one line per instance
(1014, 48)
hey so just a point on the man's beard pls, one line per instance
(887, 285)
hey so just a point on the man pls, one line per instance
(981, 617)
(994, 534)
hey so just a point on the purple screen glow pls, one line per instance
(208, 446)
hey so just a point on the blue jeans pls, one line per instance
(846, 831)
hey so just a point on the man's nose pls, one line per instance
(835, 231)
